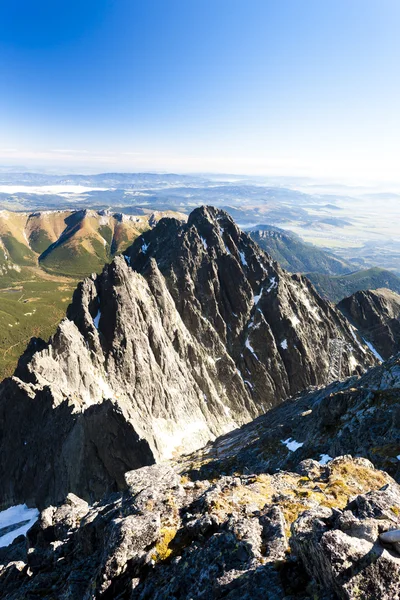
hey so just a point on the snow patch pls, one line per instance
(273, 284)
(352, 331)
(257, 297)
(96, 320)
(249, 346)
(16, 515)
(352, 362)
(374, 352)
(204, 243)
(294, 319)
(284, 344)
(145, 247)
(243, 259)
(324, 459)
(292, 445)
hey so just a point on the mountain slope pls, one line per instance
(376, 314)
(42, 255)
(262, 513)
(335, 288)
(68, 242)
(195, 332)
(296, 256)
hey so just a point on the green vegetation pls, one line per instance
(335, 288)
(30, 308)
(39, 240)
(106, 232)
(296, 256)
(18, 252)
(75, 261)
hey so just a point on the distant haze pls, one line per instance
(256, 86)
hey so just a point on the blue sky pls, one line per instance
(244, 86)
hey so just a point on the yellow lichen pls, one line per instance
(162, 549)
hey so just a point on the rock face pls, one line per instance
(194, 333)
(360, 417)
(376, 314)
(299, 535)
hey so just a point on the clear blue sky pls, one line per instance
(257, 86)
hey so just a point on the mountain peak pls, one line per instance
(194, 332)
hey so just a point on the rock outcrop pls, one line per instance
(376, 314)
(359, 416)
(193, 333)
(314, 533)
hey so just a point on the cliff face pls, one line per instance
(268, 511)
(376, 313)
(193, 333)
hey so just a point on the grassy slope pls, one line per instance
(31, 306)
(33, 299)
(297, 256)
(335, 288)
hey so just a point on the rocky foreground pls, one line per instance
(312, 533)
(264, 512)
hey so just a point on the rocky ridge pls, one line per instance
(376, 314)
(193, 333)
(311, 533)
(260, 513)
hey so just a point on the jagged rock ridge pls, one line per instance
(376, 313)
(195, 332)
(312, 533)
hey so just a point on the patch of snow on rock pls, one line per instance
(294, 319)
(19, 516)
(374, 352)
(352, 362)
(292, 445)
(273, 284)
(243, 259)
(324, 459)
(284, 344)
(96, 320)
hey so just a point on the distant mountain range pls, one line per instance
(295, 255)
(42, 256)
(72, 243)
(337, 287)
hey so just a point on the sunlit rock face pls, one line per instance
(194, 332)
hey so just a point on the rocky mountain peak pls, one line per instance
(194, 332)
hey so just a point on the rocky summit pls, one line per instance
(191, 334)
(261, 513)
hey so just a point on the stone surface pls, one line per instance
(194, 333)
(277, 537)
(376, 314)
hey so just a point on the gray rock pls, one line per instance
(344, 552)
(200, 333)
